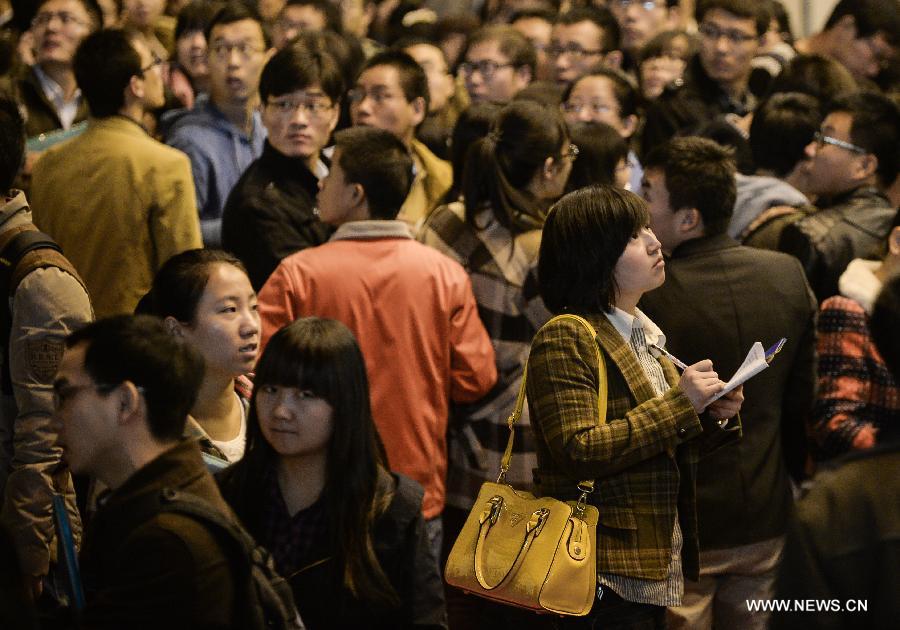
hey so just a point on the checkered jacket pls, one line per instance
(642, 455)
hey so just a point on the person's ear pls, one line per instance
(129, 402)
(894, 241)
(629, 126)
(866, 166)
(687, 220)
(613, 59)
(173, 326)
(135, 87)
(419, 110)
(357, 194)
(549, 168)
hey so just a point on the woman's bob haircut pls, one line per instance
(585, 233)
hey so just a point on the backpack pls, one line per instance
(22, 250)
(264, 598)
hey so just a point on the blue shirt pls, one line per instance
(219, 154)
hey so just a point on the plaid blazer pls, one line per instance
(642, 455)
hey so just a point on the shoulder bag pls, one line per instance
(535, 553)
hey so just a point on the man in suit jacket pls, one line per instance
(718, 299)
(118, 202)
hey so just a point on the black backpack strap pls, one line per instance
(10, 256)
(259, 570)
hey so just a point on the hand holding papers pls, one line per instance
(755, 362)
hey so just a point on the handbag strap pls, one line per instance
(586, 485)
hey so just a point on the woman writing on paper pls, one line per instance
(597, 257)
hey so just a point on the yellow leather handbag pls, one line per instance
(535, 553)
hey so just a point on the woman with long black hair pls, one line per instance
(314, 489)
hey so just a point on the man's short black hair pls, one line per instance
(584, 235)
(699, 174)
(603, 18)
(194, 16)
(104, 64)
(413, 80)
(816, 75)
(883, 325)
(749, 9)
(232, 12)
(295, 67)
(139, 349)
(12, 142)
(871, 17)
(783, 125)
(378, 161)
(328, 9)
(876, 128)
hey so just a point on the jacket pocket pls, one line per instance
(617, 517)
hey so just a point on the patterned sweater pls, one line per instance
(858, 401)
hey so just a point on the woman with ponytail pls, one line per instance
(510, 179)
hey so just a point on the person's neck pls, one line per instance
(240, 115)
(301, 480)
(312, 162)
(63, 76)
(737, 89)
(134, 455)
(133, 111)
(889, 268)
(217, 409)
(628, 303)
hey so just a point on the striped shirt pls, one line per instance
(640, 332)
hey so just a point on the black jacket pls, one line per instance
(853, 225)
(163, 571)
(718, 299)
(686, 105)
(402, 548)
(269, 214)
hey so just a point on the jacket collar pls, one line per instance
(372, 229)
(704, 245)
(622, 355)
(16, 204)
(286, 167)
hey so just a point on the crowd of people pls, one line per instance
(294, 259)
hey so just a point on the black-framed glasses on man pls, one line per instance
(157, 61)
(573, 50)
(714, 33)
(646, 5)
(222, 50)
(313, 109)
(821, 140)
(41, 20)
(485, 68)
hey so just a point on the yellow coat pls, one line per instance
(119, 204)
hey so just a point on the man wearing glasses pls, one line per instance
(716, 81)
(223, 134)
(582, 40)
(852, 161)
(391, 93)
(48, 90)
(641, 20)
(498, 63)
(118, 202)
(270, 211)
